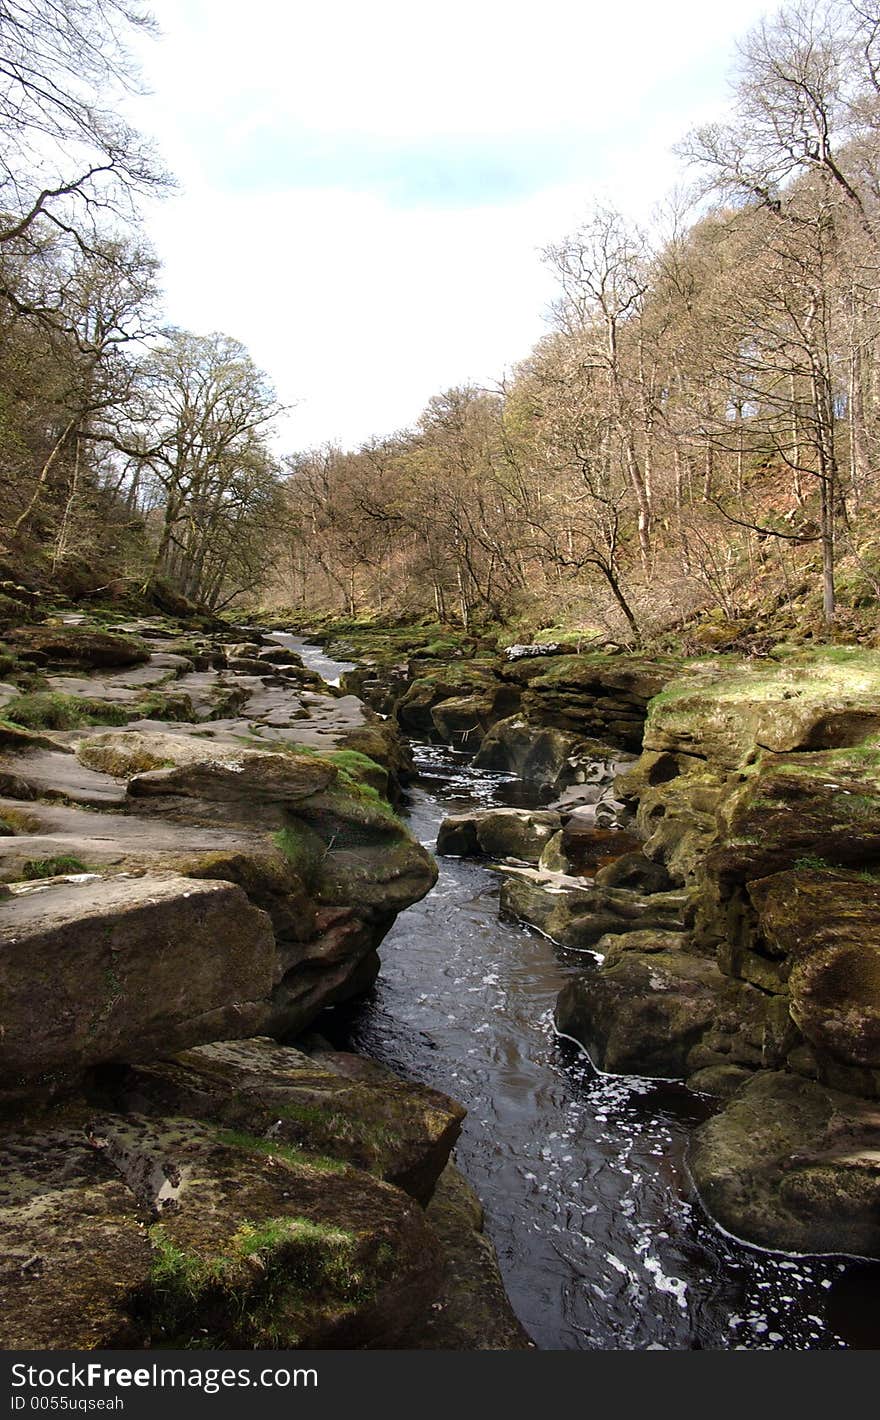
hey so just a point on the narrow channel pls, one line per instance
(583, 1177)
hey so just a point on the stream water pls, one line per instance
(583, 1176)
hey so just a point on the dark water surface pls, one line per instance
(599, 1235)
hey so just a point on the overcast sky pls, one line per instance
(365, 185)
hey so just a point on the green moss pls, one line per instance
(159, 705)
(857, 805)
(50, 710)
(8, 661)
(300, 1158)
(810, 860)
(258, 1289)
(36, 868)
(302, 848)
(363, 1138)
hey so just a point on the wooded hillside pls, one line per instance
(697, 433)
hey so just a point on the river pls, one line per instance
(600, 1237)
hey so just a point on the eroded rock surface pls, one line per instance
(758, 792)
(224, 863)
(792, 1164)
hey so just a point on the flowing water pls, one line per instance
(600, 1237)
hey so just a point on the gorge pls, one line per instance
(639, 1035)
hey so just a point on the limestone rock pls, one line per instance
(828, 927)
(589, 849)
(820, 807)
(74, 1250)
(464, 719)
(542, 754)
(398, 1130)
(127, 753)
(577, 916)
(823, 700)
(793, 1165)
(77, 645)
(498, 833)
(438, 682)
(250, 776)
(471, 1311)
(142, 1232)
(649, 940)
(635, 871)
(125, 969)
(642, 1014)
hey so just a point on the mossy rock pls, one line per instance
(827, 927)
(577, 916)
(522, 834)
(643, 1013)
(725, 711)
(334, 1106)
(823, 806)
(78, 645)
(51, 710)
(471, 1311)
(252, 1248)
(791, 1165)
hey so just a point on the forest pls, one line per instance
(697, 432)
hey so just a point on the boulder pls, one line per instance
(126, 969)
(471, 1311)
(74, 1248)
(633, 870)
(77, 645)
(589, 849)
(542, 754)
(280, 656)
(464, 719)
(498, 833)
(575, 915)
(553, 858)
(642, 1014)
(248, 778)
(648, 940)
(127, 753)
(436, 682)
(791, 1165)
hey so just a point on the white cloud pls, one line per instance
(360, 309)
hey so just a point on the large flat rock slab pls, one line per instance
(57, 774)
(126, 968)
(44, 831)
(819, 700)
(77, 645)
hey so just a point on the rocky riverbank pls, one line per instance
(198, 853)
(726, 885)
